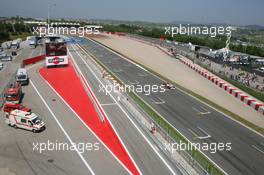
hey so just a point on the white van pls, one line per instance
(15, 44)
(22, 76)
(33, 43)
(25, 120)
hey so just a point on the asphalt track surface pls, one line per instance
(67, 128)
(17, 153)
(145, 157)
(191, 117)
(10, 67)
(67, 82)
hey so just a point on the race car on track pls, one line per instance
(168, 85)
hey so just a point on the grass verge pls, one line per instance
(23, 36)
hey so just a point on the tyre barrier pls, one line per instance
(240, 95)
(226, 86)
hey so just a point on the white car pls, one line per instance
(168, 85)
(1, 66)
(261, 69)
(5, 57)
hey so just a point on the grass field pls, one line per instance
(23, 36)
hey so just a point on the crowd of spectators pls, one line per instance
(246, 78)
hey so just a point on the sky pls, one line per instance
(240, 12)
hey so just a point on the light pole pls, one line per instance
(49, 6)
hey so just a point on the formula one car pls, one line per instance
(168, 85)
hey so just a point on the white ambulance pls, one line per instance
(25, 120)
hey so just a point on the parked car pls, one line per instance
(1, 66)
(261, 69)
(8, 58)
(2, 55)
(5, 57)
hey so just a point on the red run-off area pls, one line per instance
(66, 82)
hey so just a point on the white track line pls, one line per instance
(195, 135)
(158, 102)
(105, 113)
(107, 104)
(190, 95)
(203, 131)
(201, 112)
(63, 130)
(87, 126)
(151, 145)
(255, 147)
